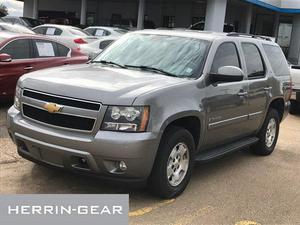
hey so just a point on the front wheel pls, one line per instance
(174, 162)
(268, 134)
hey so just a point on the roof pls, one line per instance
(59, 26)
(208, 35)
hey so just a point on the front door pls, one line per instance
(10, 72)
(227, 102)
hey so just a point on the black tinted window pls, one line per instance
(18, 49)
(62, 50)
(92, 31)
(104, 44)
(40, 30)
(277, 60)
(226, 55)
(254, 63)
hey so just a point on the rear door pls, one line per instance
(259, 88)
(226, 103)
(10, 72)
(49, 54)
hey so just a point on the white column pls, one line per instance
(141, 15)
(294, 52)
(215, 15)
(27, 8)
(248, 19)
(83, 12)
(35, 9)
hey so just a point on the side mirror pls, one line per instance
(5, 58)
(228, 74)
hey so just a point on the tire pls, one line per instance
(294, 109)
(174, 140)
(266, 146)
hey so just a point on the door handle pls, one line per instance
(243, 93)
(28, 68)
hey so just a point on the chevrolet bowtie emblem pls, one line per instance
(53, 108)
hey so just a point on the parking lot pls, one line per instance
(241, 189)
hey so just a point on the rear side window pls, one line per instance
(44, 49)
(277, 60)
(254, 62)
(91, 31)
(18, 49)
(226, 55)
(104, 44)
(40, 30)
(62, 51)
(53, 31)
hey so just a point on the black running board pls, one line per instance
(212, 154)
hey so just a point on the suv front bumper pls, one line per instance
(98, 154)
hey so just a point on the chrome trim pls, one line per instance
(251, 115)
(64, 97)
(227, 121)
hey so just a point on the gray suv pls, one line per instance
(152, 104)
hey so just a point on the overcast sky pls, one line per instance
(15, 8)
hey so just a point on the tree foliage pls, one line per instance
(3, 10)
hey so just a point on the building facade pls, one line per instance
(276, 18)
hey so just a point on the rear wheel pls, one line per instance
(173, 166)
(268, 134)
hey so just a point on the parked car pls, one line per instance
(153, 103)
(15, 28)
(69, 35)
(95, 48)
(105, 31)
(201, 25)
(131, 24)
(24, 21)
(21, 54)
(295, 98)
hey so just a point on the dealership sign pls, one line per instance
(63, 209)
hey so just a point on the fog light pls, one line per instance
(122, 166)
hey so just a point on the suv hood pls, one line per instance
(94, 82)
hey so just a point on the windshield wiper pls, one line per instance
(110, 63)
(149, 68)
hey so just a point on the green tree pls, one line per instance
(3, 10)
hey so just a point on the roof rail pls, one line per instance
(235, 34)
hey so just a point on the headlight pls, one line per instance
(17, 102)
(126, 119)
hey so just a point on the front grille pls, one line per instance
(59, 120)
(62, 100)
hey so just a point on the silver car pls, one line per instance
(152, 104)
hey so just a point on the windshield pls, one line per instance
(178, 56)
(32, 22)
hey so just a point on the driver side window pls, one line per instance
(226, 55)
(18, 49)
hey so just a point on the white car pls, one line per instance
(69, 35)
(105, 31)
(95, 48)
(295, 99)
(15, 28)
